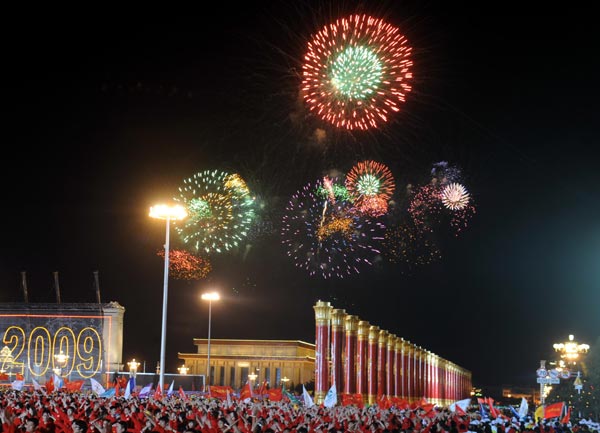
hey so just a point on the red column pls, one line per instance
(427, 371)
(351, 326)
(372, 368)
(382, 363)
(398, 367)
(361, 358)
(454, 394)
(419, 373)
(337, 338)
(389, 370)
(438, 375)
(323, 319)
(408, 370)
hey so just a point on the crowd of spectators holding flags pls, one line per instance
(92, 411)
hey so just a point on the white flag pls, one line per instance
(145, 391)
(127, 393)
(36, 385)
(96, 387)
(17, 384)
(331, 397)
(523, 408)
(463, 404)
(308, 401)
(58, 382)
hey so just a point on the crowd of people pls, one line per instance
(84, 412)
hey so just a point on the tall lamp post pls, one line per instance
(210, 297)
(167, 213)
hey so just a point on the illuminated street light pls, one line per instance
(210, 297)
(252, 376)
(285, 380)
(60, 360)
(167, 213)
(133, 366)
(6, 359)
(183, 369)
(571, 350)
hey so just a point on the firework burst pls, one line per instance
(425, 207)
(371, 184)
(356, 72)
(220, 211)
(328, 238)
(184, 265)
(455, 196)
(428, 208)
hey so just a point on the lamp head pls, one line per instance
(163, 211)
(210, 296)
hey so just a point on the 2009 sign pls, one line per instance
(36, 351)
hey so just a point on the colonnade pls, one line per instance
(361, 358)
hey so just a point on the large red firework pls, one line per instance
(371, 185)
(356, 72)
(186, 266)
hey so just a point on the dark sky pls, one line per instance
(106, 118)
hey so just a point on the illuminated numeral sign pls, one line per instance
(71, 346)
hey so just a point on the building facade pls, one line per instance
(75, 341)
(233, 362)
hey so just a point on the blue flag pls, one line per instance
(110, 392)
(515, 413)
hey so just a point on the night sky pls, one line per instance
(104, 119)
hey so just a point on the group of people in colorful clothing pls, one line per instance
(85, 412)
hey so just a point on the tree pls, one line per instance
(587, 402)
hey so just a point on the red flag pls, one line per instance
(553, 410)
(263, 388)
(383, 402)
(358, 400)
(493, 410)
(122, 381)
(275, 394)
(347, 399)
(76, 385)
(50, 384)
(3, 376)
(182, 393)
(220, 392)
(459, 410)
(427, 407)
(157, 393)
(117, 389)
(246, 392)
(567, 417)
(19, 376)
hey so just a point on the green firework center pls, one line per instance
(356, 72)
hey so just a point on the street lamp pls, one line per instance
(183, 369)
(252, 376)
(210, 297)
(167, 213)
(571, 350)
(6, 359)
(285, 380)
(60, 360)
(133, 366)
